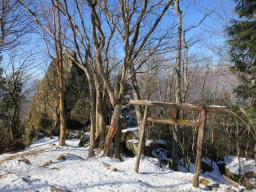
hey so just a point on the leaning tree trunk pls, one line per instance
(112, 129)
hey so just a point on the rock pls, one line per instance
(157, 148)
(57, 189)
(25, 161)
(55, 168)
(46, 163)
(132, 146)
(43, 118)
(26, 179)
(129, 143)
(61, 157)
(114, 170)
(71, 156)
(85, 140)
(214, 186)
(249, 183)
(108, 166)
(129, 115)
(74, 134)
(52, 144)
(205, 182)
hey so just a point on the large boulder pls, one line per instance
(43, 118)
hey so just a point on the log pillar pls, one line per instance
(142, 135)
(200, 138)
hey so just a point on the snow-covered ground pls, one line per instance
(246, 165)
(76, 172)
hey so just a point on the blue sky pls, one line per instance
(210, 32)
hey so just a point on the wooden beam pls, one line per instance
(173, 121)
(199, 148)
(184, 106)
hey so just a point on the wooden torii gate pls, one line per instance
(173, 121)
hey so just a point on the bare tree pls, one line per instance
(127, 23)
(58, 46)
(86, 61)
(53, 28)
(177, 69)
(14, 23)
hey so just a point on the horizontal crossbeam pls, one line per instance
(183, 106)
(172, 121)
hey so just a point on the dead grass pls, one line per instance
(34, 152)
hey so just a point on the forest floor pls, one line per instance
(44, 166)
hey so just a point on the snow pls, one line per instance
(131, 129)
(157, 141)
(133, 141)
(232, 164)
(24, 172)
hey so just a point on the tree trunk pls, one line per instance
(100, 127)
(117, 140)
(112, 129)
(136, 95)
(185, 70)
(175, 130)
(60, 76)
(12, 123)
(92, 117)
(178, 55)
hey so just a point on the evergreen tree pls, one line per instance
(242, 40)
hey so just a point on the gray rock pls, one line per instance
(213, 186)
(85, 140)
(74, 134)
(129, 142)
(43, 119)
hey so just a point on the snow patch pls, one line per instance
(246, 165)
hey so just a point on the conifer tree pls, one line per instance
(242, 41)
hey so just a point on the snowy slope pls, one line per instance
(232, 164)
(24, 172)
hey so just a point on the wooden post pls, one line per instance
(142, 135)
(200, 138)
